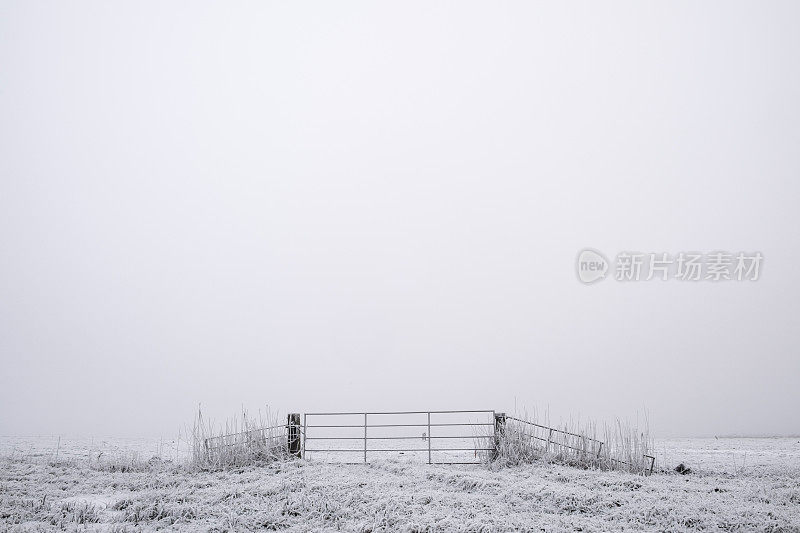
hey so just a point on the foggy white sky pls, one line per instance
(324, 206)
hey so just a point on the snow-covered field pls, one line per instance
(736, 484)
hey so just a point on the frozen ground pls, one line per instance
(55, 447)
(738, 484)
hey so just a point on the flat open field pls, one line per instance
(736, 485)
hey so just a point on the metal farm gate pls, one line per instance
(436, 437)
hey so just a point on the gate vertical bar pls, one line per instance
(429, 438)
(365, 437)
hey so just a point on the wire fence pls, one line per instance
(270, 437)
(553, 437)
(584, 446)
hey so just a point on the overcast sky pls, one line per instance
(366, 206)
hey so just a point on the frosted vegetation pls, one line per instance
(530, 439)
(241, 441)
(250, 483)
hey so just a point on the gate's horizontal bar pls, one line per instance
(400, 425)
(361, 450)
(405, 438)
(401, 412)
(431, 463)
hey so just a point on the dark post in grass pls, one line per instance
(499, 429)
(652, 463)
(293, 434)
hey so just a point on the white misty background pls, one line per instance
(372, 206)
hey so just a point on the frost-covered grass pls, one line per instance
(526, 439)
(75, 494)
(241, 441)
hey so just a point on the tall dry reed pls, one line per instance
(241, 441)
(620, 446)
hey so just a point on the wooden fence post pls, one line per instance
(293, 434)
(499, 430)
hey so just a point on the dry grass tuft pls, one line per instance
(528, 439)
(241, 441)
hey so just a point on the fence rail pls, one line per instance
(272, 433)
(551, 431)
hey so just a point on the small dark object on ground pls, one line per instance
(683, 469)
